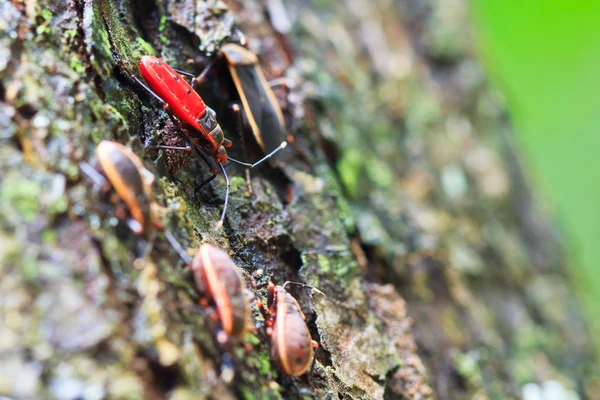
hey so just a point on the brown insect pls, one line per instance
(120, 169)
(219, 281)
(257, 106)
(291, 343)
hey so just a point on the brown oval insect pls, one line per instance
(291, 343)
(218, 278)
(261, 107)
(120, 169)
(256, 104)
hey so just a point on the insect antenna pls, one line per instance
(178, 248)
(304, 285)
(220, 223)
(271, 154)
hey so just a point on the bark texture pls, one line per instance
(404, 201)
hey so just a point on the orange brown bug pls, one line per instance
(219, 281)
(291, 343)
(118, 168)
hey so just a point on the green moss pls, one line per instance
(11, 251)
(264, 364)
(76, 64)
(379, 171)
(345, 212)
(349, 167)
(162, 25)
(339, 267)
(46, 15)
(29, 270)
(521, 369)
(324, 264)
(445, 34)
(265, 207)
(43, 30)
(49, 237)
(248, 393)
(423, 111)
(251, 338)
(466, 365)
(23, 195)
(146, 48)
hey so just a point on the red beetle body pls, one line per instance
(291, 343)
(199, 121)
(217, 277)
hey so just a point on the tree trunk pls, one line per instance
(403, 200)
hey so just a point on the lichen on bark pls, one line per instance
(409, 209)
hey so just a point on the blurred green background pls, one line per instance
(545, 55)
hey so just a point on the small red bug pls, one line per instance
(291, 343)
(120, 169)
(198, 121)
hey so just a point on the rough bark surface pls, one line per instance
(409, 209)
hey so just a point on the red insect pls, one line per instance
(195, 118)
(291, 343)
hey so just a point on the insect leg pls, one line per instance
(160, 146)
(237, 110)
(315, 346)
(280, 82)
(188, 74)
(95, 176)
(188, 147)
(204, 183)
(226, 195)
(267, 317)
(305, 286)
(212, 164)
(134, 226)
(178, 248)
(198, 80)
(227, 371)
(147, 88)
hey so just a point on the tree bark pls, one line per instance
(404, 200)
